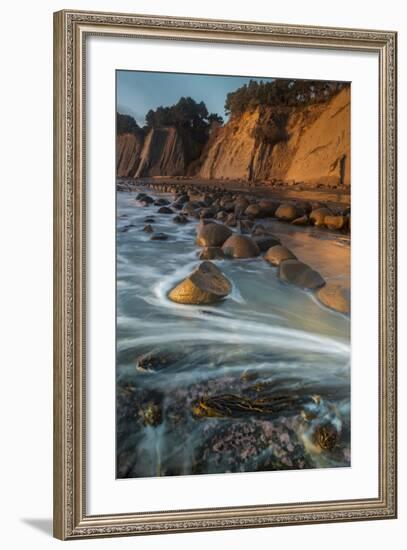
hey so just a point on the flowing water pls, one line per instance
(259, 381)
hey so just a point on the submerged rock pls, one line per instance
(143, 198)
(155, 360)
(165, 210)
(335, 297)
(161, 202)
(277, 254)
(205, 285)
(159, 237)
(180, 218)
(297, 273)
(148, 229)
(240, 246)
(212, 234)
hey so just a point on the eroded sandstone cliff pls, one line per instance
(306, 144)
(128, 150)
(309, 144)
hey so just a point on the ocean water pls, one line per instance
(259, 381)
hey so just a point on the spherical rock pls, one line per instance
(268, 207)
(221, 215)
(211, 253)
(240, 205)
(286, 212)
(205, 285)
(335, 297)
(180, 218)
(318, 216)
(231, 220)
(240, 246)
(335, 222)
(165, 210)
(277, 254)
(264, 242)
(212, 234)
(208, 212)
(253, 210)
(161, 202)
(299, 274)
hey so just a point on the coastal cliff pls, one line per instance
(305, 143)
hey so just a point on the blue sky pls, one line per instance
(138, 91)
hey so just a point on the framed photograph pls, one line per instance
(225, 274)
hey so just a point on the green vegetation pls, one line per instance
(187, 113)
(125, 124)
(280, 93)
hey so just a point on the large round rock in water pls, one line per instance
(297, 273)
(205, 285)
(213, 234)
(318, 215)
(286, 212)
(240, 246)
(277, 254)
(335, 297)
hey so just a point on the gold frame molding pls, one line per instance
(70, 31)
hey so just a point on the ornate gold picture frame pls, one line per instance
(71, 30)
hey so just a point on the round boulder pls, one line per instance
(240, 205)
(165, 210)
(253, 211)
(277, 254)
(207, 212)
(286, 212)
(180, 218)
(335, 222)
(212, 234)
(211, 253)
(297, 273)
(221, 215)
(240, 246)
(318, 215)
(205, 285)
(335, 297)
(161, 202)
(264, 242)
(268, 207)
(231, 220)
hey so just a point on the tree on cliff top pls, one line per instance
(187, 113)
(280, 93)
(125, 124)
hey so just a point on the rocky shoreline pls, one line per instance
(233, 225)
